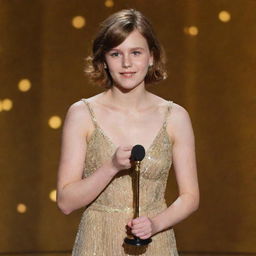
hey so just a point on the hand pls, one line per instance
(121, 158)
(142, 227)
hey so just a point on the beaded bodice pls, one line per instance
(118, 195)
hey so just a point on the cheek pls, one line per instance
(143, 62)
(143, 65)
(112, 65)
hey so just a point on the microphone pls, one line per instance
(138, 153)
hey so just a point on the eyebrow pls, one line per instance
(132, 49)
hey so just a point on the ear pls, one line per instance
(151, 59)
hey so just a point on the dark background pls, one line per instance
(211, 74)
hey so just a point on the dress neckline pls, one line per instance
(97, 126)
(115, 146)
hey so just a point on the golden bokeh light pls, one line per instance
(21, 208)
(6, 104)
(24, 85)
(191, 30)
(78, 22)
(55, 122)
(224, 16)
(53, 195)
(1, 106)
(109, 3)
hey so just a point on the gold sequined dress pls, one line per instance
(102, 229)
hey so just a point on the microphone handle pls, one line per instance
(137, 189)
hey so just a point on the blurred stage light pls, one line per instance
(191, 30)
(78, 22)
(6, 104)
(24, 85)
(109, 3)
(224, 16)
(54, 122)
(53, 195)
(21, 208)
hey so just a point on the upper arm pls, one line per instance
(73, 146)
(184, 159)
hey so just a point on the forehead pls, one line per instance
(134, 40)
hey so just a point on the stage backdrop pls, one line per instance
(211, 52)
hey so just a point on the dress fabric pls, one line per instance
(102, 228)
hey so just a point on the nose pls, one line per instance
(126, 61)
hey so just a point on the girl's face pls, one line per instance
(128, 62)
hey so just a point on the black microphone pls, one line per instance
(138, 153)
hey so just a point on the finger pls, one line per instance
(127, 155)
(139, 234)
(136, 221)
(129, 224)
(127, 164)
(145, 237)
(141, 229)
(142, 218)
(141, 224)
(140, 221)
(142, 234)
(127, 147)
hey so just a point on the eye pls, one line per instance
(114, 54)
(136, 53)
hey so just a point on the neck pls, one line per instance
(132, 99)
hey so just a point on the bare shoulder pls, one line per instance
(78, 116)
(179, 113)
(179, 122)
(78, 110)
(158, 101)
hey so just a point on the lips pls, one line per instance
(127, 74)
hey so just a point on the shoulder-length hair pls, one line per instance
(113, 31)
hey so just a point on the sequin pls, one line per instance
(102, 227)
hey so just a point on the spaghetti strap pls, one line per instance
(168, 111)
(90, 111)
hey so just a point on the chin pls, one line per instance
(128, 86)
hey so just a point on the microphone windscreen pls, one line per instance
(138, 153)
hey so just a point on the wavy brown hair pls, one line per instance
(112, 32)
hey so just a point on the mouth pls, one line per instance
(127, 74)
